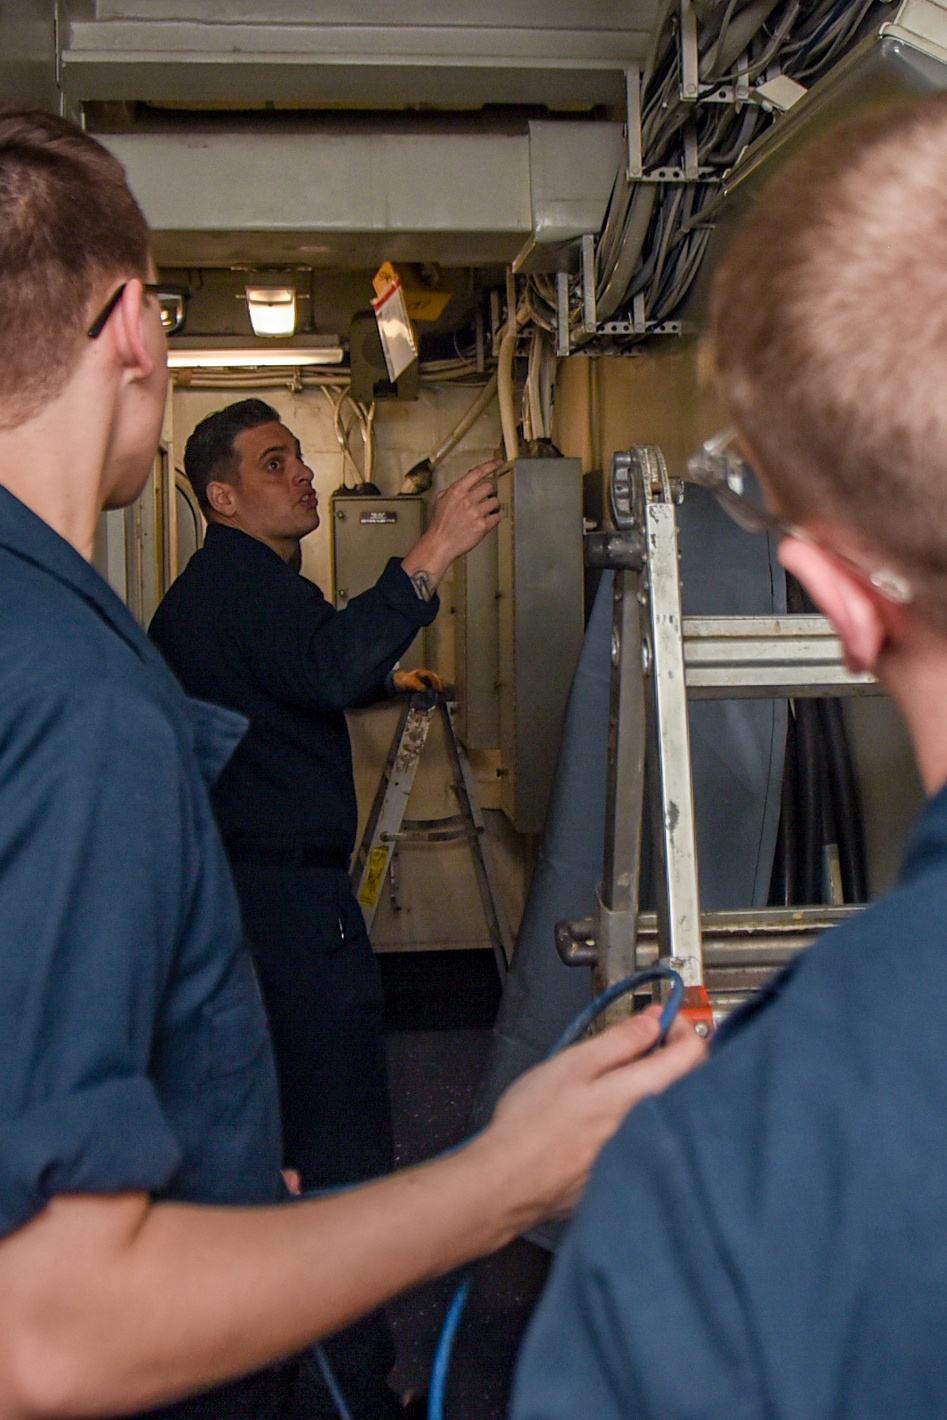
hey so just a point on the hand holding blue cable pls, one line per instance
(570, 1036)
(625, 1046)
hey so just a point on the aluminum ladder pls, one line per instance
(659, 658)
(387, 826)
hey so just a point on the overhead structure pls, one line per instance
(291, 53)
(350, 199)
(724, 86)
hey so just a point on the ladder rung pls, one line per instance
(750, 937)
(757, 656)
(746, 940)
(433, 830)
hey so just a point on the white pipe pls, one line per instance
(465, 422)
(507, 351)
(537, 425)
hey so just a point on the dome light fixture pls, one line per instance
(272, 310)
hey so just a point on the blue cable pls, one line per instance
(445, 1345)
(573, 1032)
(332, 1385)
(576, 1029)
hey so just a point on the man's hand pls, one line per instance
(463, 515)
(112, 1304)
(555, 1119)
(408, 682)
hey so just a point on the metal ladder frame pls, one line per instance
(387, 825)
(659, 658)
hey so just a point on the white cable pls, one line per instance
(533, 391)
(370, 442)
(465, 422)
(547, 386)
(507, 351)
(342, 434)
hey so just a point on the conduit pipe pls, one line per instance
(465, 422)
(507, 351)
(419, 478)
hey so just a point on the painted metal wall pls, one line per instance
(28, 53)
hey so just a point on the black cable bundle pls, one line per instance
(821, 829)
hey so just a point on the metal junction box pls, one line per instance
(366, 532)
(541, 624)
(476, 663)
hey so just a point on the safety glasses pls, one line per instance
(720, 467)
(98, 325)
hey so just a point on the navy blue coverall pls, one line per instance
(768, 1239)
(133, 1042)
(242, 629)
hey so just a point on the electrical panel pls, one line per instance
(366, 532)
(476, 650)
(541, 624)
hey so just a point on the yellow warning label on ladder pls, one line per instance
(374, 877)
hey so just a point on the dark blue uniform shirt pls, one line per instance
(769, 1237)
(133, 1045)
(241, 628)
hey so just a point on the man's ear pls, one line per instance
(221, 498)
(129, 333)
(855, 609)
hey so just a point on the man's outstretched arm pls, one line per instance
(113, 1303)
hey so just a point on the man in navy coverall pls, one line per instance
(146, 1248)
(769, 1237)
(241, 628)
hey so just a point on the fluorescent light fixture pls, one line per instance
(272, 310)
(215, 354)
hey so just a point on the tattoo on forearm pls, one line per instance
(421, 582)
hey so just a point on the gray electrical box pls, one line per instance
(541, 624)
(366, 532)
(476, 650)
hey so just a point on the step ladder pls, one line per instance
(387, 825)
(659, 658)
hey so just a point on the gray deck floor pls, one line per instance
(440, 1013)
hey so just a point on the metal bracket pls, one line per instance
(648, 327)
(779, 93)
(690, 58)
(635, 160)
(563, 340)
(589, 312)
(618, 550)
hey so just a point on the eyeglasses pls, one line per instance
(98, 325)
(720, 467)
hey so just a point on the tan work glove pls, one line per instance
(410, 681)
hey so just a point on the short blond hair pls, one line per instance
(829, 327)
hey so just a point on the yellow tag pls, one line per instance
(374, 878)
(421, 302)
(385, 276)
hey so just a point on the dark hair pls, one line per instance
(68, 226)
(209, 453)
